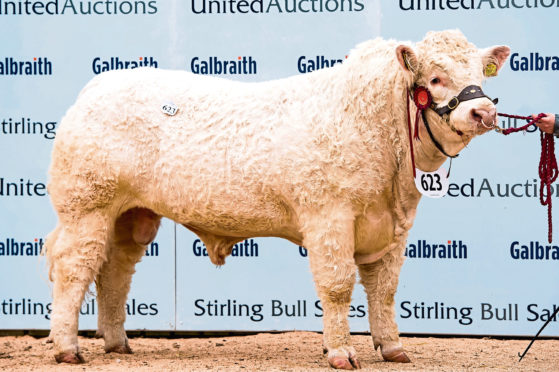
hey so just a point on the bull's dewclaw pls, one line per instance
(320, 159)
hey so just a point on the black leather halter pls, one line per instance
(468, 93)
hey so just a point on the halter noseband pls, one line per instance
(468, 93)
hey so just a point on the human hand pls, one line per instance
(546, 124)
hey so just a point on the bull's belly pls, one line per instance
(231, 213)
(241, 226)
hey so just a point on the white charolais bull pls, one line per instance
(321, 159)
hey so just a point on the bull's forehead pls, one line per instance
(451, 41)
(458, 72)
(452, 53)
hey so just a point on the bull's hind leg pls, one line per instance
(330, 242)
(75, 255)
(380, 280)
(134, 229)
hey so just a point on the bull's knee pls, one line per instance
(336, 280)
(145, 226)
(337, 289)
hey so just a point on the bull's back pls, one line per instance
(212, 158)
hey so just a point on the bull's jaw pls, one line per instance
(428, 157)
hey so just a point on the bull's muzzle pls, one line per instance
(484, 116)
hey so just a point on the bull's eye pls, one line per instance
(435, 81)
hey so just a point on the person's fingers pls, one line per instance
(545, 127)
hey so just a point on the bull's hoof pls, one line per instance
(343, 359)
(396, 356)
(119, 349)
(69, 357)
(340, 363)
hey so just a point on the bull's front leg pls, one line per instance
(329, 238)
(380, 280)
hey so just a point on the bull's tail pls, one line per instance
(47, 248)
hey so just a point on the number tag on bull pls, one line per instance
(169, 108)
(432, 184)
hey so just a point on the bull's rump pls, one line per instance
(212, 165)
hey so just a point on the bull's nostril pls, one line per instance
(493, 115)
(476, 116)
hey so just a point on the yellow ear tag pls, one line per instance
(491, 69)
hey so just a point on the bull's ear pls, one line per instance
(407, 59)
(493, 59)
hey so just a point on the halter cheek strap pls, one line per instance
(437, 143)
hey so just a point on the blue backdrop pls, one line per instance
(50, 49)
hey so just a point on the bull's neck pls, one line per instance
(428, 157)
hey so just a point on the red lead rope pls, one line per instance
(547, 169)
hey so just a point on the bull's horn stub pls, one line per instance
(432, 184)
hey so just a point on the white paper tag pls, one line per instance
(432, 184)
(169, 108)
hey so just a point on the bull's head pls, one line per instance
(446, 64)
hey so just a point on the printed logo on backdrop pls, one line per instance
(275, 6)
(18, 248)
(242, 65)
(533, 62)
(482, 312)
(20, 67)
(28, 307)
(533, 250)
(451, 249)
(437, 311)
(24, 125)
(309, 64)
(246, 248)
(99, 65)
(488, 188)
(407, 5)
(21, 187)
(77, 7)
(256, 312)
